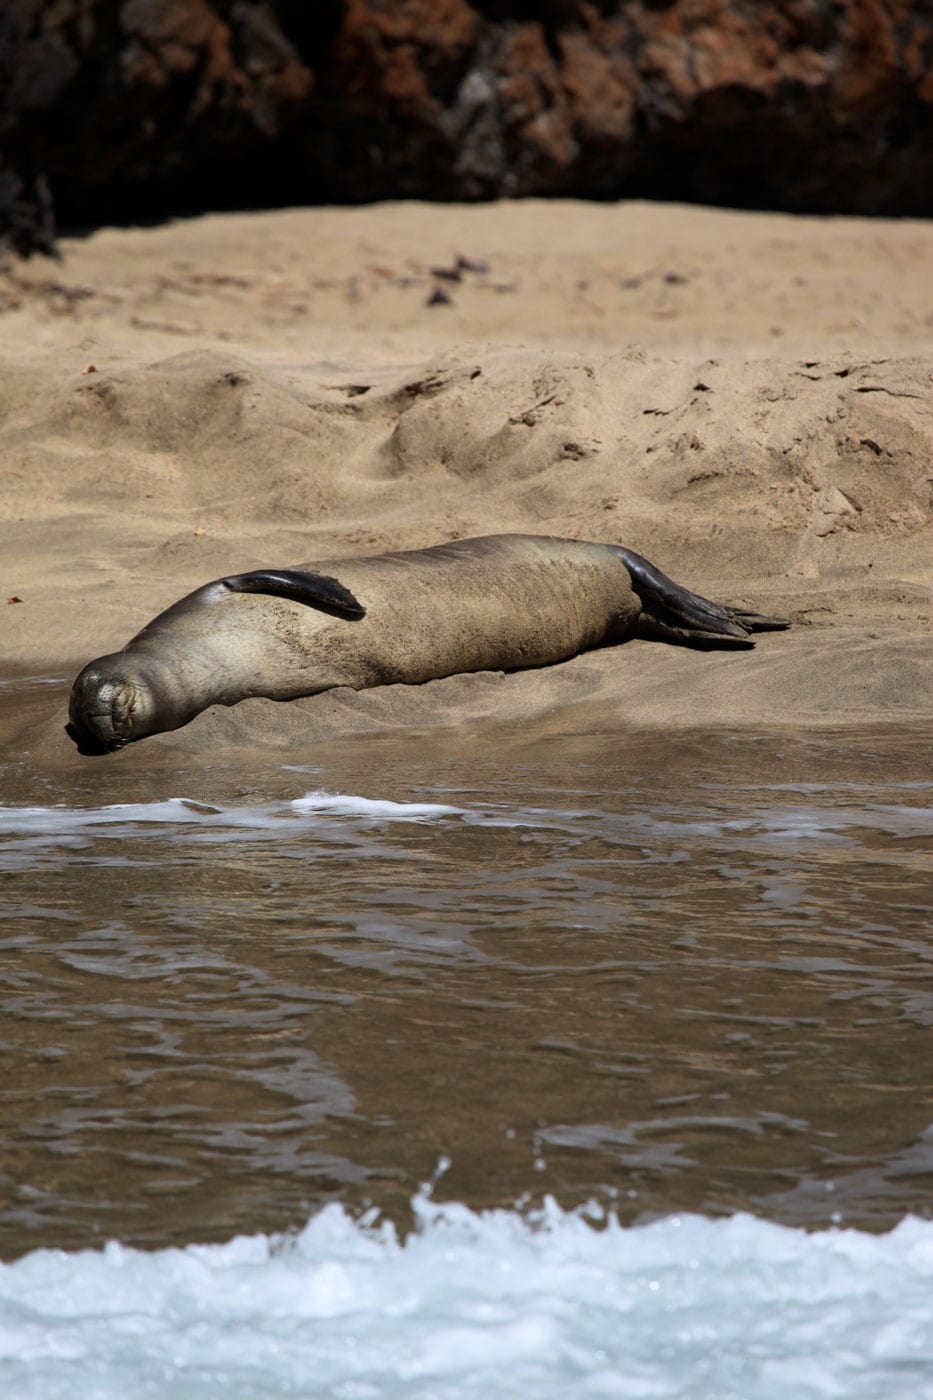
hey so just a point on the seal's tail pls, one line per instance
(671, 613)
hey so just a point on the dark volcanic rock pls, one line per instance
(134, 108)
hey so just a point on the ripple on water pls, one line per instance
(667, 991)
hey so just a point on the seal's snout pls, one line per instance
(88, 745)
(105, 710)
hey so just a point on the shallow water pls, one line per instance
(682, 973)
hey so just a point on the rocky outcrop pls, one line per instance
(130, 108)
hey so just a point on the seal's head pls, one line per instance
(111, 705)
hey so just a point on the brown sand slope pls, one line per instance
(747, 399)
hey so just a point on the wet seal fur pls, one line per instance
(501, 602)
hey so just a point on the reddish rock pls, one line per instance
(128, 107)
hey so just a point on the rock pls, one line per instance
(146, 107)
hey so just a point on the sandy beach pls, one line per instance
(744, 398)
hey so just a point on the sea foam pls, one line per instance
(497, 1304)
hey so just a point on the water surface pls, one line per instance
(666, 973)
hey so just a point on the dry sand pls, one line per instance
(747, 399)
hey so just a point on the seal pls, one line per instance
(501, 602)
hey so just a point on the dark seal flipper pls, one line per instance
(315, 590)
(671, 613)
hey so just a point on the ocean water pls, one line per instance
(650, 1018)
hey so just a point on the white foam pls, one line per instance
(378, 809)
(116, 817)
(28, 834)
(480, 1305)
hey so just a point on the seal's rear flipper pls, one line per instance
(674, 614)
(316, 590)
(755, 622)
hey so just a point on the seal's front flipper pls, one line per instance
(316, 590)
(674, 614)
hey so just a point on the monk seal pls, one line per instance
(501, 602)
